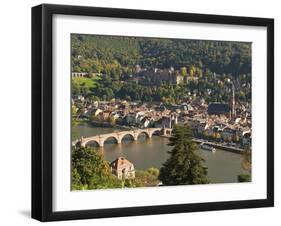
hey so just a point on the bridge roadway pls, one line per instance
(118, 136)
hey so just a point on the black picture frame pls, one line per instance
(42, 111)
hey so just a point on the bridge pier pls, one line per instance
(167, 132)
(135, 137)
(101, 141)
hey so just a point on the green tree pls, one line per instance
(76, 180)
(91, 171)
(184, 166)
(74, 111)
(145, 179)
(75, 87)
(192, 71)
(153, 171)
(183, 71)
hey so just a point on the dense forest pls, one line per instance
(115, 58)
(95, 53)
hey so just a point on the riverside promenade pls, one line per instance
(215, 145)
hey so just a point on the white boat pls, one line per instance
(207, 147)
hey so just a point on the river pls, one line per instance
(223, 166)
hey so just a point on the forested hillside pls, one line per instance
(92, 53)
(112, 62)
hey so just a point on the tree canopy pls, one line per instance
(91, 171)
(116, 54)
(184, 166)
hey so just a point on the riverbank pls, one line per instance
(215, 145)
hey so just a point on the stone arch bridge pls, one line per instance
(118, 136)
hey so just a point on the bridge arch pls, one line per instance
(118, 141)
(128, 135)
(156, 132)
(88, 143)
(143, 133)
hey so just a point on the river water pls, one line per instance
(223, 166)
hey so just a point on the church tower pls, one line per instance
(233, 112)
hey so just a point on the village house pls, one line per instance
(115, 115)
(145, 122)
(202, 127)
(167, 121)
(81, 98)
(227, 134)
(131, 119)
(122, 168)
(193, 124)
(246, 139)
(209, 132)
(96, 112)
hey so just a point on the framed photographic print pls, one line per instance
(146, 112)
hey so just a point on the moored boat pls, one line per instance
(207, 147)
